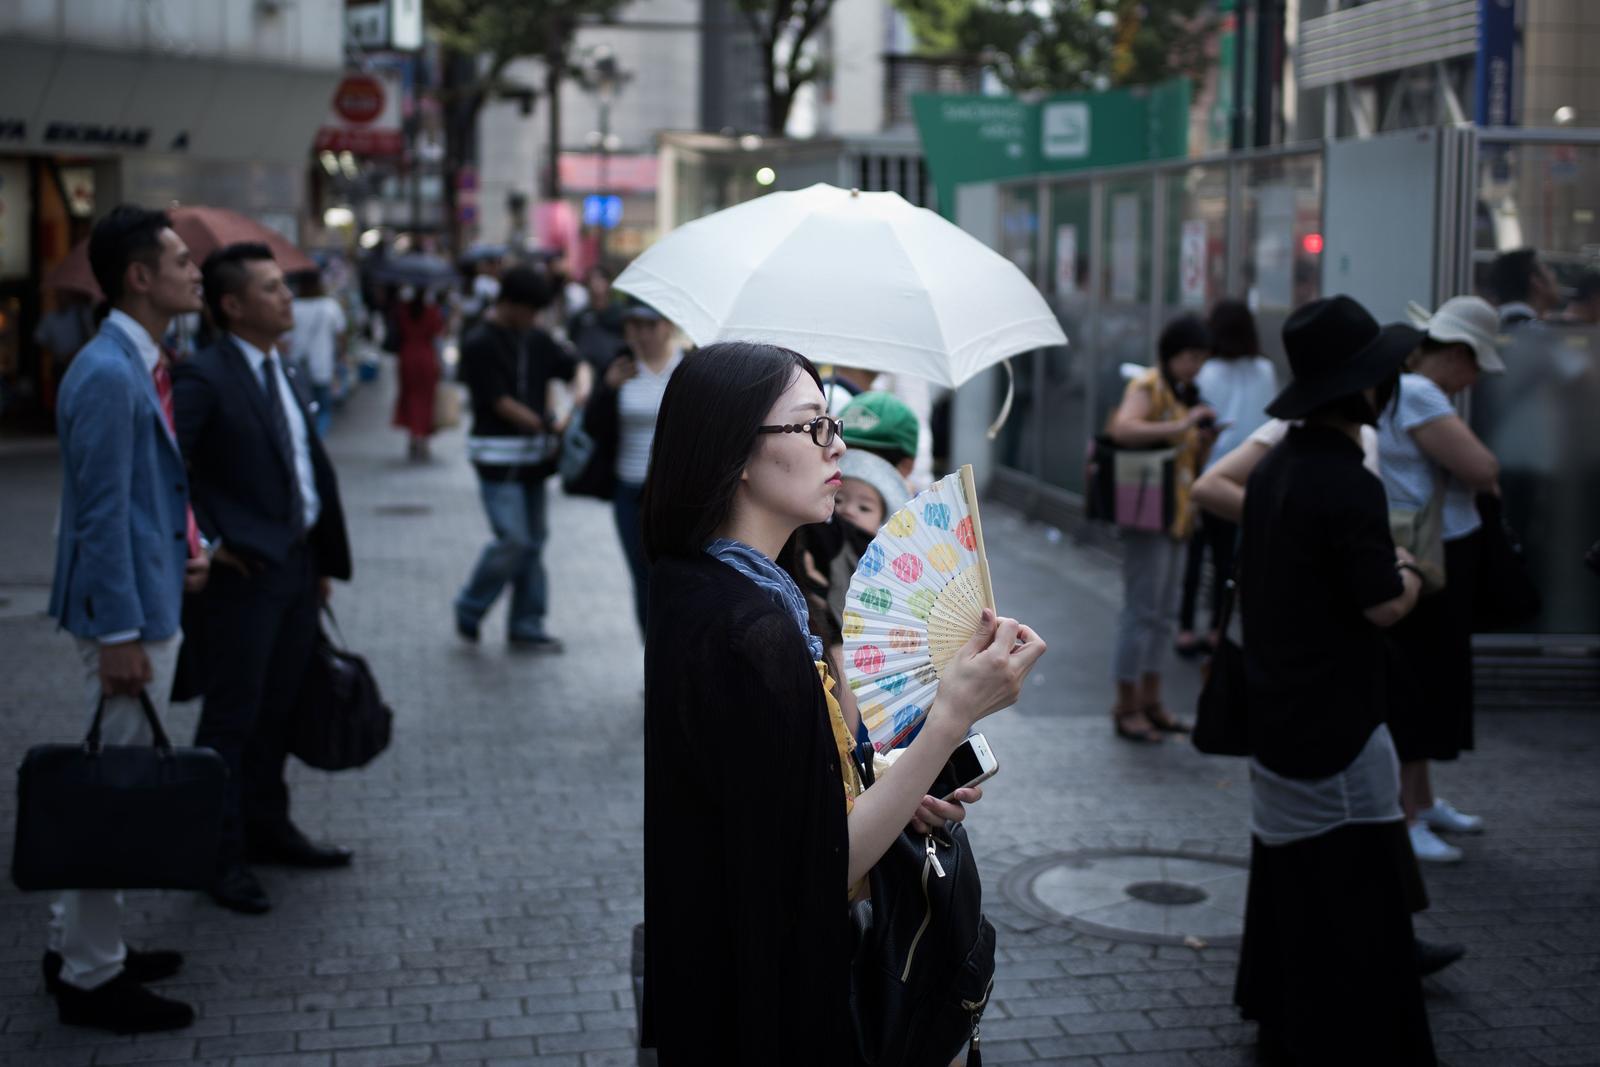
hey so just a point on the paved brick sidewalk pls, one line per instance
(487, 917)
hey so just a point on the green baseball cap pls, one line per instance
(881, 422)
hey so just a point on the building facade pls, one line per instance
(194, 101)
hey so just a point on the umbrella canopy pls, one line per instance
(857, 279)
(204, 230)
(414, 268)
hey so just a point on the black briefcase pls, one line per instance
(340, 720)
(93, 816)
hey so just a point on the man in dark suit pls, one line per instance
(266, 496)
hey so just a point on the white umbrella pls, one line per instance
(855, 279)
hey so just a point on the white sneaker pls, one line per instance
(1429, 848)
(1443, 817)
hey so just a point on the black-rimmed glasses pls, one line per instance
(822, 429)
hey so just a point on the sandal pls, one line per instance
(1144, 735)
(1161, 719)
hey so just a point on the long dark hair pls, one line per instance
(705, 435)
(1183, 332)
(1233, 330)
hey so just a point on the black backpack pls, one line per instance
(924, 961)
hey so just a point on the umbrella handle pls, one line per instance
(1005, 408)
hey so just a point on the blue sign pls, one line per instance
(1494, 101)
(602, 211)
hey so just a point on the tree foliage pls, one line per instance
(785, 31)
(491, 34)
(1064, 45)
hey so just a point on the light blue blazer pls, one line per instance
(122, 544)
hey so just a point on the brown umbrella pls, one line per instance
(204, 230)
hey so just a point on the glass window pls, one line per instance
(1197, 239)
(1281, 249)
(1063, 373)
(1019, 230)
(1124, 290)
(1538, 417)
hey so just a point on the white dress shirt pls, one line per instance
(297, 428)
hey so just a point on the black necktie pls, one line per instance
(280, 430)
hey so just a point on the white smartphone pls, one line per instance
(972, 762)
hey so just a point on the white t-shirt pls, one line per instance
(1409, 474)
(1275, 430)
(318, 322)
(638, 404)
(1240, 390)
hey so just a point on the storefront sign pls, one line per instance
(582, 172)
(1494, 103)
(383, 25)
(1192, 264)
(364, 116)
(989, 138)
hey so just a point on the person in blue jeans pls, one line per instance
(508, 364)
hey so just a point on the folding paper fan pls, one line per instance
(917, 597)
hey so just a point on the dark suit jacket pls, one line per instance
(238, 475)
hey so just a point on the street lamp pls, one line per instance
(602, 76)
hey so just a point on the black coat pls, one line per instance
(238, 476)
(747, 957)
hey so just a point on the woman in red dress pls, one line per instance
(420, 324)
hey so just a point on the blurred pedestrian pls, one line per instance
(421, 327)
(1524, 288)
(1328, 965)
(1584, 310)
(65, 330)
(1432, 460)
(1238, 382)
(1160, 408)
(742, 941)
(596, 329)
(634, 384)
(317, 344)
(267, 498)
(124, 557)
(508, 365)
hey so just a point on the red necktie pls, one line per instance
(163, 377)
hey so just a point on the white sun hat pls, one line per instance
(1470, 320)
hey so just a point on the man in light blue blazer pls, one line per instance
(124, 556)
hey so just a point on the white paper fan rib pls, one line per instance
(916, 598)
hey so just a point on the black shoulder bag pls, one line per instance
(340, 720)
(93, 816)
(1222, 716)
(924, 960)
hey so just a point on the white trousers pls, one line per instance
(86, 924)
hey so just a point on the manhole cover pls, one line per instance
(1168, 894)
(403, 510)
(1148, 896)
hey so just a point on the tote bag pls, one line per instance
(1134, 488)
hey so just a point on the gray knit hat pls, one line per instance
(878, 473)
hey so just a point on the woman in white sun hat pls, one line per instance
(1426, 448)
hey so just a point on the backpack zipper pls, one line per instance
(931, 863)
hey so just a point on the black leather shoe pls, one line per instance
(238, 890)
(140, 966)
(1433, 958)
(122, 1006)
(291, 848)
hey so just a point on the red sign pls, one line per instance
(582, 172)
(359, 98)
(360, 142)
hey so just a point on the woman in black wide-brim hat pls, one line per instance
(1328, 966)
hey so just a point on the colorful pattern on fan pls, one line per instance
(917, 597)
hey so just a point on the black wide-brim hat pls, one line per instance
(1336, 349)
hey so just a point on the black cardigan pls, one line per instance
(746, 851)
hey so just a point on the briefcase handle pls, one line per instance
(91, 743)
